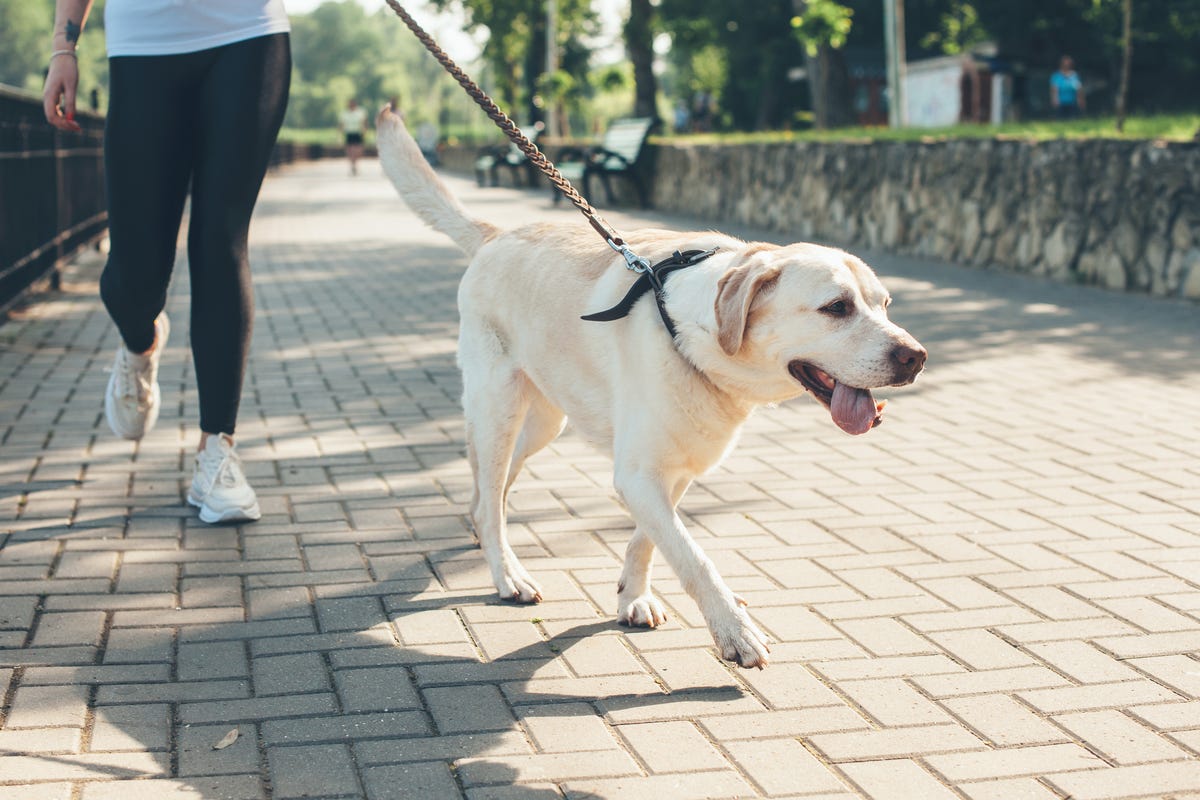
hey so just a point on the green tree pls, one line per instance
(515, 51)
(25, 34)
(757, 48)
(26, 38)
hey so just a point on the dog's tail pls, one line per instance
(421, 188)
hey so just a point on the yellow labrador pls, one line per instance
(755, 323)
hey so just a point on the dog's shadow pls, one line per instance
(326, 705)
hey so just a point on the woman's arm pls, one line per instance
(62, 78)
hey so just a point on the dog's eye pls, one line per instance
(838, 308)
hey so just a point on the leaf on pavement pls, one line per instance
(227, 740)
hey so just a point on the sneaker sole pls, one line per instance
(235, 514)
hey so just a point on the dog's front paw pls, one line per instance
(519, 587)
(644, 611)
(741, 642)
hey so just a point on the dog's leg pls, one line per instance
(636, 604)
(543, 423)
(494, 405)
(645, 493)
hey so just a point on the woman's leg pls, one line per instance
(148, 141)
(241, 103)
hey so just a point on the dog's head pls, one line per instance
(806, 317)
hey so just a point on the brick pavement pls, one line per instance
(994, 595)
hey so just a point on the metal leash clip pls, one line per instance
(633, 261)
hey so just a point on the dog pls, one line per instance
(754, 324)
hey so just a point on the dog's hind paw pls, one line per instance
(642, 612)
(744, 645)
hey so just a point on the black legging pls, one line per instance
(210, 117)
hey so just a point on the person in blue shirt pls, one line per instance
(1066, 90)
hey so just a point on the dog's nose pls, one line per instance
(909, 360)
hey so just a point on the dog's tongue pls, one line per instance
(854, 410)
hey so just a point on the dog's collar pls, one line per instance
(653, 279)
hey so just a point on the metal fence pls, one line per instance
(51, 191)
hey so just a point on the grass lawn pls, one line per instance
(1173, 127)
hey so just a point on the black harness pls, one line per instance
(652, 278)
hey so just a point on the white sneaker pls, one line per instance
(132, 400)
(219, 487)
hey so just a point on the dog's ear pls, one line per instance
(736, 293)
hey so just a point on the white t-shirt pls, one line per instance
(168, 27)
(353, 120)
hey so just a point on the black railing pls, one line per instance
(51, 191)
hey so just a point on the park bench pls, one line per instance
(490, 159)
(617, 154)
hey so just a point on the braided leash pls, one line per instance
(535, 156)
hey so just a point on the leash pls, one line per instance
(535, 156)
(652, 275)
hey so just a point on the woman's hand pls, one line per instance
(58, 98)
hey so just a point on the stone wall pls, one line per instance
(1121, 214)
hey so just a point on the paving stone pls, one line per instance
(1145, 780)
(257, 708)
(198, 753)
(462, 709)
(694, 786)
(40, 740)
(138, 727)
(211, 660)
(1119, 738)
(346, 727)
(894, 742)
(783, 766)
(1004, 721)
(893, 702)
(48, 706)
(37, 791)
(226, 787)
(84, 766)
(402, 781)
(384, 689)
(1034, 760)
(554, 767)
(299, 673)
(312, 771)
(566, 727)
(896, 778)
(675, 746)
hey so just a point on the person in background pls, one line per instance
(353, 123)
(1066, 90)
(196, 97)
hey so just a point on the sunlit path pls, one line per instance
(996, 594)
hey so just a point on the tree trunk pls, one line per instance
(535, 67)
(639, 44)
(1126, 61)
(829, 85)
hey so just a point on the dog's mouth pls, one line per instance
(853, 410)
